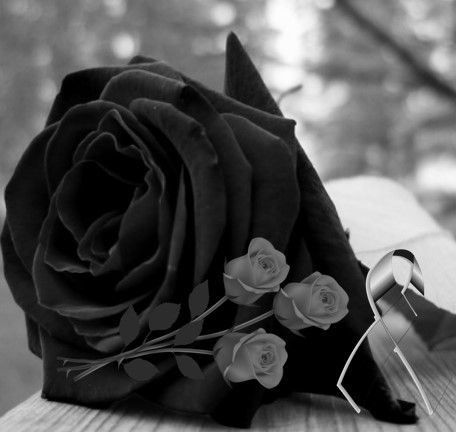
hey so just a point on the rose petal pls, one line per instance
(27, 199)
(274, 283)
(311, 278)
(274, 375)
(61, 248)
(319, 312)
(260, 291)
(270, 380)
(238, 293)
(131, 138)
(130, 85)
(330, 319)
(275, 190)
(172, 241)
(122, 163)
(241, 369)
(296, 320)
(107, 385)
(285, 312)
(265, 338)
(283, 356)
(278, 126)
(317, 308)
(155, 66)
(87, 192)
(301, 293)
(113, 264)
(108, 344)
(259, 243)
(325, 280)
(327, 240)
(254, 350)
(86, 85)
(99, 238)
(65, 295)
(33, 336)
(242, 80)
(244, 339)
(201, 161)
(240, 268)
(98, 328)
(77, 123)
(236, 169)
(280, 257)
(138, 234)
(23, 290)
(340, 292)
(260, 276)
(81, 148)
(223, 349)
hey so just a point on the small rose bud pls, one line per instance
(317, 301)
(258, 272)
(258, 355)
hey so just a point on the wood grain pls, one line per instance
(382, 215)
(301, 412)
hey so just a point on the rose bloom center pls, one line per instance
(327, 298)
(267, 357)
(266, 263)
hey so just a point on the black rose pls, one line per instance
(141, 185)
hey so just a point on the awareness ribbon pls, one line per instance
(379, 281)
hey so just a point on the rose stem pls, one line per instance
(157, 351)
(237, 327)
(107, 360)
(161, 348)
(219, 333)
(125, 354)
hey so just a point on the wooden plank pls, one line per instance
(382, 215)
(301, 412)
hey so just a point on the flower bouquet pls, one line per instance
(169, 240)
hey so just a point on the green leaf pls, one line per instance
(243, 81)
(129, 326)
(189, 367)
(188, 333)
(140, 370)
(198, 299)
(163, 316)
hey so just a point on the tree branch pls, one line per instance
(419, 68)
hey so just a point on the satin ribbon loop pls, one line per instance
(379, 281)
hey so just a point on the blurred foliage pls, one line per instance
(361, 110)
(389, 122)
(43, 40)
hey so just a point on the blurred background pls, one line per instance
(378, 89)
